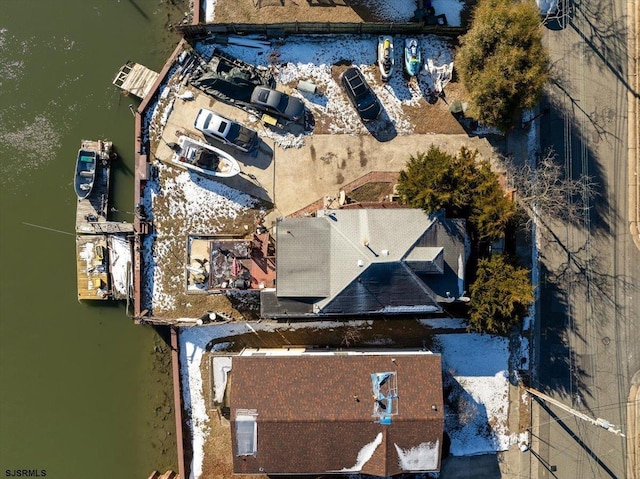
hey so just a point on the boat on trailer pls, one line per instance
(204, 158)
(85, 176)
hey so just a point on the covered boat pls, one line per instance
(85, 172)
(412, 57)
(204, 158)
(385, 56)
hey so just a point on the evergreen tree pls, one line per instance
(500, 296)
(501, 61)
(462, 185)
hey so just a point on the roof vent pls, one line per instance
(360, 263)
(385, 252)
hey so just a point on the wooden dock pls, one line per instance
(92, 261)
(93, 229)
(135, 79)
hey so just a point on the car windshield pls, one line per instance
(234, 131)
(365, 102)
(282, 104)
(205, 125)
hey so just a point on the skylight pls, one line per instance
(247, 433)
(385, 395)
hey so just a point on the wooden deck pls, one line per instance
(91, 260)
(135, 79)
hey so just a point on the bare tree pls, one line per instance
(544, 188)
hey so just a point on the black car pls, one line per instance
(361, 94)
(277, 103)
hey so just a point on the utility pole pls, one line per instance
(603, 423)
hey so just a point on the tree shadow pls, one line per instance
(557, 367)
(606, 35)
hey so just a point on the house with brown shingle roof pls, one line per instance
(308, 412)
(366, 261)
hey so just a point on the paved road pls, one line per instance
(589, 315)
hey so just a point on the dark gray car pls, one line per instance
(277, 103)
(361, 94)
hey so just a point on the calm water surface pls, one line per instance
(83, 391)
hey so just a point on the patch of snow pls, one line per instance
(444, 323)
(221, 367)
(167, 111)
(477, 408)
(451, 8)
(423, 457)
(209, 10)
(365, 454)
(474, 354)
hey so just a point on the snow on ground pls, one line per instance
(188, 202)
(476, 392)
(476, 367)
(209, 10)
(311, 57)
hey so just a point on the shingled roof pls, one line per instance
(366, 261)
(315, 413)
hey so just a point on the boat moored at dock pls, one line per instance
(85, 176)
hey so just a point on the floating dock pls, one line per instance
(101, 243)
(135, 79)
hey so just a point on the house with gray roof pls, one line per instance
(366, 261)
(316, 412)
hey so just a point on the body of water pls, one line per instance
(83, 391)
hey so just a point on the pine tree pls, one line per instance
(501, 61)
(462, 185)
(500, 296)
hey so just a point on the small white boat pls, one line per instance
(385, 56)
(204, 158)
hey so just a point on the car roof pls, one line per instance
(216, 123)
(356, 81)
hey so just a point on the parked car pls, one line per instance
(277, 103)
(226, 131)
(554, 12)
(361, 94)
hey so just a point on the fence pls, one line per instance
(271, 30)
